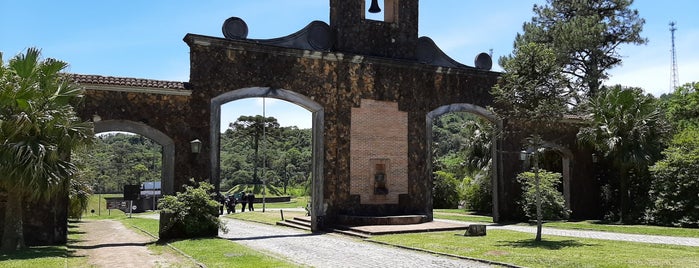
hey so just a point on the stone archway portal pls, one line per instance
(168, 169)
(317, 138)
(496, 160)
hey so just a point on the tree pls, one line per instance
(532, 92)
(254, 127)
(532, 89)
(553, 206)
(38, 130)
(675, 186)
(627, 127)
(683, 106)
(585, 36)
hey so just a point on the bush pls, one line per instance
(477, 193)
(553, 205)
(445, 190)
(675, 187)
(79, 195)
(194, 211)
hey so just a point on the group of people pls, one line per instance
(231, 201)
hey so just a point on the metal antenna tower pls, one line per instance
(675, 80)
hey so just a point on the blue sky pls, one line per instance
(143, 39)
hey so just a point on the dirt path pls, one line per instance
(108, 243)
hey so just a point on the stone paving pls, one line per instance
(331, 250)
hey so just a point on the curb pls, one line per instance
(447, 254)
(201, 265)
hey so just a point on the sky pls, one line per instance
(143, 39)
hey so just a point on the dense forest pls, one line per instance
(283, 157)
(255, 148)
(462, 161)
(117, 159)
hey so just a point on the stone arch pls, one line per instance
(318, 115)
(168, 171)
(566, 159)
(496, 160)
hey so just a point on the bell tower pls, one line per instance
(395, 36)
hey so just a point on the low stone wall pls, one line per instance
(381, 220)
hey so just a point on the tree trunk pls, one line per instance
(623, 194)
(539, 217)
(13, 233)
(255, 144)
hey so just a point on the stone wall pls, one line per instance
(169, 114)
(338, 82)
(45, 221)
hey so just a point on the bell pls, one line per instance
(374, 8)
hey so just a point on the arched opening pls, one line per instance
(265, 149)
(381, 10)
(168, 152)
(558, 159)
(488, 116)
(317, 125)
(137, 165)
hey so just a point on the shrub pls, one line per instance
(477, 193)
(675, 187)
(445, 190)
(552, 201)
(194, 211)
(79, 195)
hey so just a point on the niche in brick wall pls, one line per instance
(379, 175)
(378, 152)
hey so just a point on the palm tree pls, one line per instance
(38, 130)
(626, 126)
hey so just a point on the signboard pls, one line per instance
(117, 204)
(131, 192)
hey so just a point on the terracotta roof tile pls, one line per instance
(126, 81)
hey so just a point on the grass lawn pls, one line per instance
(212, 252)
(51, 256)
(592, 225)
(98, 203)
(460, 215)
(48, 256)
(521, 249)
(216, 252)
(627, 229)
(296, 202)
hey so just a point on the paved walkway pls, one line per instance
(652, 239)
(330, 250)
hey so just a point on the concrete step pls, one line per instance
(349, 232)
(297, 222)
(303, 219)
(289, 223)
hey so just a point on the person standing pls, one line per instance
(230, 204)
(222, 202)
(251, 200)
(243, 200)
